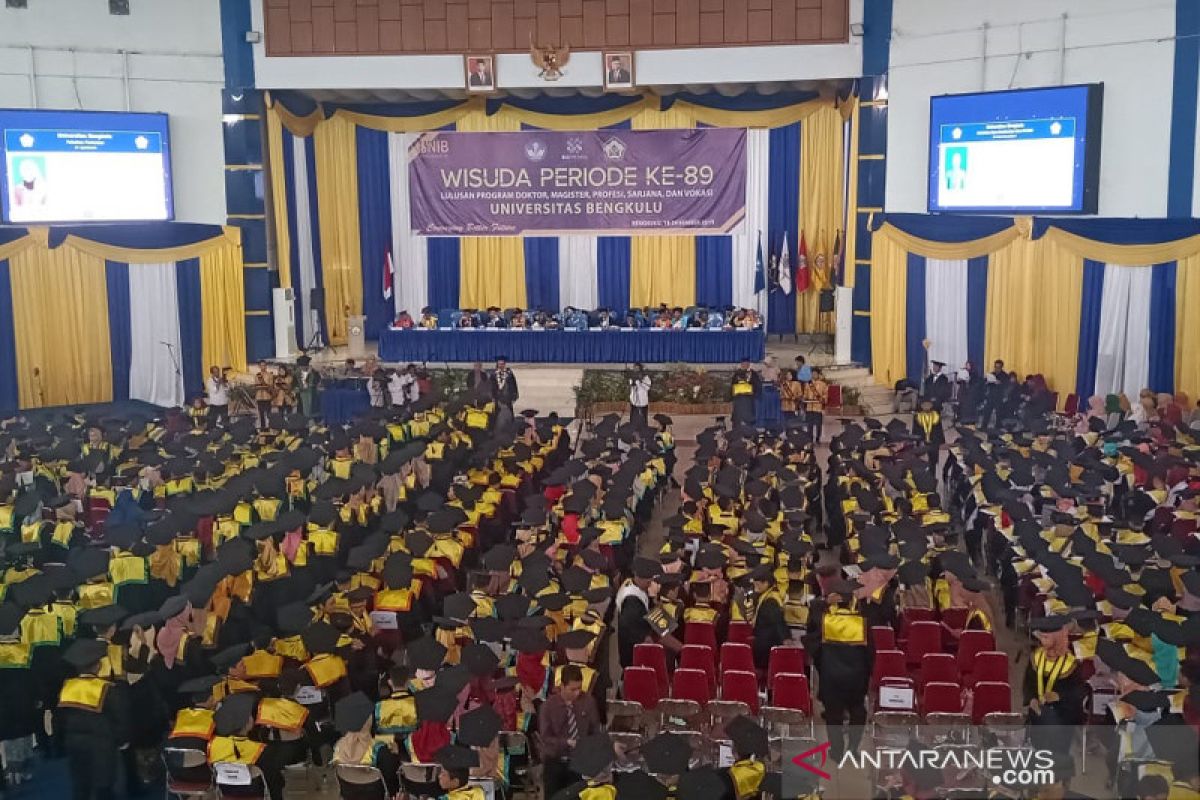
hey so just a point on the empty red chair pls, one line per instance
(939, 668)
(990, 696)
(991, 665)
(742, 686)
(741, 632)
(653, 656)
(941, 698)
(700, 657)
(888, 664)
(736, 656)
(790, 690)
(641, 685)
(955, 617)
(970, 645)
(883, 637)
(786, 658)
(923, 637)
(691, 684)
(704, 633)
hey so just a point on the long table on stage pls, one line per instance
(612, 346)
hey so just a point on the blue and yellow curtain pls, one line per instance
(340, 210)
(74, 329)
(1096, 306)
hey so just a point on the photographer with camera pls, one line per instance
(639, 395)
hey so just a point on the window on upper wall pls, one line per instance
(118, 7)
(16, 3)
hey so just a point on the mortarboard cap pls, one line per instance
(436, 703)
(103, 617)
(235, 713)
(480, 659)
(83, 653)
(457, 757)
(593, 755)
(667, 754)
(352, 712)
(479, 727)
(749, 738)
(426, 653)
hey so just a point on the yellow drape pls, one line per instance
(473, 107)
(849, 265)
(1033, 307)
(769, 118)
(889, 326)
(574, 122)
(279, 198)
(492, 272)
(230, 235)
(651, 118)
(60, 323)
(822, 209)
(300, 126)
(1127, 255)
(16, 246)
(662, 269)
(337, 189)
(492, 268)
(974, 248)
(1187, 326)
(222, 308)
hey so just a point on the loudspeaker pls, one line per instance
(826, 301)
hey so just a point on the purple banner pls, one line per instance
(551, 182)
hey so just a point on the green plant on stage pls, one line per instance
(679, 384)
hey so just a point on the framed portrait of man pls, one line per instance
(618, 70)
(481, 73)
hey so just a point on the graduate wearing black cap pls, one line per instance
(353, 717)
(837, 638)
(927, 427)
(770, 625)
(744, 387)
(1053, 687)
(633, 604)
(92, 721)
(751, 748)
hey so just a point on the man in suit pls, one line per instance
(617, 71)
(568, 716)
(481, 75)
(502, 385)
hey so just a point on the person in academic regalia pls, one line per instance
(837, 639)
(353, 718)
(745, 387)
(633, 604)
(751, 749)
(93, 723)
(591, 760)
(770, 626)
(1053, 687)
(19, 717)
(927, 427)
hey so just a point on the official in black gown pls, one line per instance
(837, 638)
(744, 388)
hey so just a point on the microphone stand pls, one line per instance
(178, 369)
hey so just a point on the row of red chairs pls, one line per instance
(927, 637)
(987, 666)
(787, 689)
(735, 656)
(706, 633)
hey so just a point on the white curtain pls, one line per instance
(745, 241)
(410, 253)
(1123, 358)
(155, 370)
(946, 310)
(578, 271)
(304, 238)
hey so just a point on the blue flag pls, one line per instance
(760, 275)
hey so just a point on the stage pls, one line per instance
(612, 346)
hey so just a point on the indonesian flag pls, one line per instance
(785, 267)
(803, 274)
(389, 276)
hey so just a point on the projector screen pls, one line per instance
(84, 166)
(1019, 151)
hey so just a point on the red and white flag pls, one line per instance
(803, 274)
(389, 276)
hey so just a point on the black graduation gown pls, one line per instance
(1053, 728)
(632, 628)
(845, 669)
(92, 740)
(18, 703)
(770, 630)
(745, 410)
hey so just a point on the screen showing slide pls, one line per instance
(82, 166)
(1025, 150)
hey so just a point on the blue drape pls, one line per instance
(8, 343)
(444, 278)
(116, 275)
(374, 225)
(977, 278)
(612, 267)
(142, 235)
(1117, 230)
(714, 271)
(1092, 295)
(187, 287)
(289, 186)
(541, 272)
(1162, 327)
(915, 318)
(783, 217)
(860, 332)
(310, 156)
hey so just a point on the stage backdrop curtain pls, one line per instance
(914, 318)
(850, 225)
(889, 329)
(1090, 300)
(1187, 331)
(1123, 357)
(783, 219)
(222, 305)
(946, 310)
(1162, 327)
(977, 278)
(714, 271)
(280, 207)
(336, 151)
(754, 228)
(578, 271)
(444, 273)
(191, 334)
(153, 325)
(60, 320)
(410, 253)
(612, 271)
(375, 222)
(822, 210)
(9, 398)
(541, 272)
(116, 275)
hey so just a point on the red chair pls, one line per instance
(895, 703)
(883, 637)
(833, 399)
(923, 637)
(955, 617)
(691, 684)
(700, 657)
(704, 633)
(1071, 405)
(742, 686)
(735, 656)
(653, 656)
(939, 668)
(990, 696)
(786, 658)
(790, 690)
(888, 664)
(740, 632)
(912, 615)
(990, 666)
(640, 684)
(970, 645)
(941, 698)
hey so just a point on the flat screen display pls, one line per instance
(1019, 151)
(84, 166)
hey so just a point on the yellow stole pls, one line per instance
(193, 723)
(747, 777)
(1049, 670)
(87, 693)
(281, 713)
(234, 749)
(326, 669)
(843, 626)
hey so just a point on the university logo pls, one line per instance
(574, 146)
(141, 143)
(535, 150)
(614, 149)
(26, 140)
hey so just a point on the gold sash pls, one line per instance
(747, 777)
(86, 693)
(281, 713)
(843, 626)
(193, 723)
(234, 749)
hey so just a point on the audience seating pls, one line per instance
(888, 664)
(970, 645)
(938, 668)
(736, 656)
(741, 686)
(358, 779)
(955, 617)
(883, 637)
(700, 657)
(691, 684)
(786, 658)
(640, 684)
(833, 399)
(704, 633)
(177, 759)
(941, 698)
(790, 690)
(923, 637)
(990, 665)
(894, 683)
(740, 631)
(990, 697)
(646, 654)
